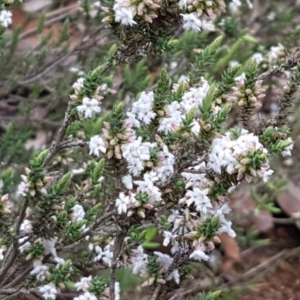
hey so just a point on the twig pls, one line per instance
(286, 221)
(115, 260)
(179, 296)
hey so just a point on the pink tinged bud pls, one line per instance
(140, 9)
(253, 172)
(245, 161)
(106, 19)
(129, 213)
(286, 89)
(199, 12)
(148, 18)
(105, 9)
(27, 171)
(253, 99)
(49, 179)
(105, 134)
(73, 98)
(237, 94)
(4, 198)
(248, 91)
(216, 240)
(148, 206)
(44, 191)
(258, 83)
(190, 235)
(113, 142)
(122, 136)
(248, 178)
(240, 175)
(39, 183)
(241, 103)
(141, 213)
(158, 139)
(106, 125)
(24, 178)
(110, 154)
(261, 96)
(118, 154)
(258, 105)
(127, 124)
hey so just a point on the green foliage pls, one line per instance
(12, 145)
(203, 60)
(136, 79)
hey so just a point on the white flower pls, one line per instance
(83, 284)
(78, 85)
(199, 198)
(88, 107)
(40, 271)
(139, 261)
(258, 57)
(49, 291)
(142, 108)
(124, 16)
(86, 296)
(49, 246)
(169, 236)
(26, 226)
(121, 203)
(208, 25)
(136, 153)
(97, 144)
(194, 96)
(127, 181)
(22, 189)
(78, 213)
(182, 4)
(25, 246)
(199, 255)
(99, 251)
(5, 18)
(191, 22)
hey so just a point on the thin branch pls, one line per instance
(119, 239)
(179, 296)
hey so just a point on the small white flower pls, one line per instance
(40, 271)
(97, 144)
(124, 16)
(26, 226)
(127, 181)
(99, 251)
(22, 189)
(88, 107)
(25, 246)
(5, 18)
(78, 213)
(199, 255)
(191, 22)
(48, 291)
(121, 203)
(83, 284)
